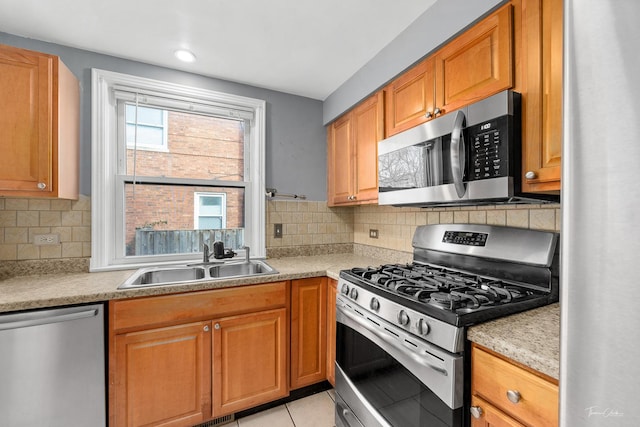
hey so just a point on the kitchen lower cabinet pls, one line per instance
(490, 416)
(505, 393)
(163, 376)
(249, 360)
(308, 331)
(332, 291)
(39, 126)
(182, 359)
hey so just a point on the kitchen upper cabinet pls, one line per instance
(332, 291)
(308, 331)
(39, 126)
(505, 393)
(410, 99)
(353, 154)
(474, 65)
(249, 360)
(179, 360)
(164, 376)
(541, 56)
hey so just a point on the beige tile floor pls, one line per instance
(312, 411)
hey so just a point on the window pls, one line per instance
(173, 167)
(210, 211)
(151, 130)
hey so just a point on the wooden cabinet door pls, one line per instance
(410, 99)
(477, 63)
(489, 416)
(352, 162)
(340, 160)
(162, 376)
(368, 129)
(542, 107)
(39, 125)
(26, 82)
(308, 331)
(249, 360)
(332, 291)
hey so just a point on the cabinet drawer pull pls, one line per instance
(42, 186)
(513, 396)
(530, 175)
(476, 411)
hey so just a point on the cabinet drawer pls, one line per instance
(168, 309)
(493, 377)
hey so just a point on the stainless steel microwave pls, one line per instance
(469, 156)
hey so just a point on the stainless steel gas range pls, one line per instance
(401, 351)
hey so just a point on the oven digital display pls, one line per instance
(465, 238)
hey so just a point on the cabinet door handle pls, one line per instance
(216, 326)
(42, 186)
(530, 175)
(437, 112)
(513, 396)
(476, 411)
(206, 328)
(428, 115)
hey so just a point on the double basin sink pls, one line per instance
(170, 275)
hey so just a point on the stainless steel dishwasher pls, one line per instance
(52, 367)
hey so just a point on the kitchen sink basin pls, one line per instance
(240, 269)
(158, 276)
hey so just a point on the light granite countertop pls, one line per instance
(531, 338)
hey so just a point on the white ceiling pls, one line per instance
(303, 47)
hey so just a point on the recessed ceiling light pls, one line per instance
(184, 55)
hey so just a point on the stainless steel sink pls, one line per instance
(158, 276)
(240, 269)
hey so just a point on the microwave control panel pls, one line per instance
(489, 144)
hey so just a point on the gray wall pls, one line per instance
(296, 150)
(438, 24)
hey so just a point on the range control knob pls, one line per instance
(354, 293)
(403, 318)
(345, 289)
(374, 304)
(423, 327)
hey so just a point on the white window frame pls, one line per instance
(196, 208)
(107, 214)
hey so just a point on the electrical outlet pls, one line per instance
(277, 231)
(373, 233)
(46, 239)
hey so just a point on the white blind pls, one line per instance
(181, 103)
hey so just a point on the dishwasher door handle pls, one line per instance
(46, 319)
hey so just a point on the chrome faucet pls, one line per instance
(247, 256)
(205, 252)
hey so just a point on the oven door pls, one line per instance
(387, 377)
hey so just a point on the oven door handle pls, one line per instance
(388, 339)
(458, 154)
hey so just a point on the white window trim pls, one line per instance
(104, 166)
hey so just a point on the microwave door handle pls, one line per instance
(458, 154)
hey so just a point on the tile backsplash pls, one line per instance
(22, 219)
(308, 227)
